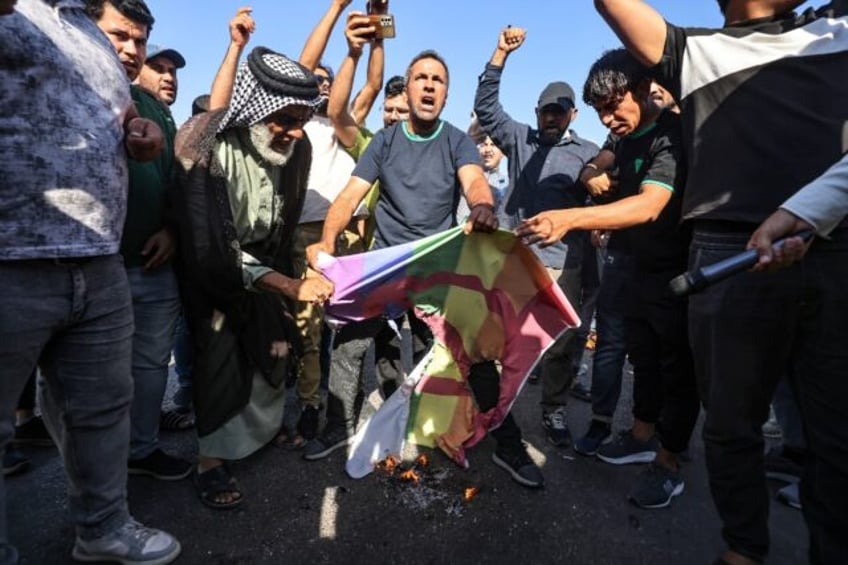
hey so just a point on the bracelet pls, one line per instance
(486, 204)
(589, 166)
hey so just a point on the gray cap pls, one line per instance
(154, 51)
(557, 93)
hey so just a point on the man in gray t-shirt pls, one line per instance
(423, 164)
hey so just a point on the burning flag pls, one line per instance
(485, 297)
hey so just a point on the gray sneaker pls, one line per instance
(131, 544)
(655, 487)
(626, 450)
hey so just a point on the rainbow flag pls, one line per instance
(485, 297)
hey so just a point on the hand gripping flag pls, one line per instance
(485, 297)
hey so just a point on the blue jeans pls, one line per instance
(156, 307)
(611, 347)
(75, 321)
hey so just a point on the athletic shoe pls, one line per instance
(599, 434)
(626, 450)
(160, 465)
(790, 496)
(557, 430)
(326, 443)
(131, 544)
(782, 468)
(14, 461)
(655, 487)
(33, 432)
(516, 462)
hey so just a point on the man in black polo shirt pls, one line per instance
(646, 213)
(764, 113)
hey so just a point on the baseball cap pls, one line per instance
(559, 93)
(154, 51)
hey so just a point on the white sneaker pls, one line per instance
(131, 544)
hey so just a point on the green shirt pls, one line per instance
(150, 182)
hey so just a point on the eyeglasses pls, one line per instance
(322, 79)
(288, 121)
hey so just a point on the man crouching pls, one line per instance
(243, 173)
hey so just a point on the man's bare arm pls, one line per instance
(338, 217)
(640, 28)
(549, 227)
(316, 43)
(364, 101)
(480, 200)
(241, 27)
(344, 124)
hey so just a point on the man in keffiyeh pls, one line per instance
(243, 173)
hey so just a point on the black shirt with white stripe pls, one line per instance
(764, 107)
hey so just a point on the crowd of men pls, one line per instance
(124, 237)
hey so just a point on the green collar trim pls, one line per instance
(415, 137)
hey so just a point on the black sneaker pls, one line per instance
(160, 465)
(599, 434)
(626, 450)
(556, 427)
(14, 461)
(307, 425)
(782, 468)
(34, 433)
(326, 443)
(655, 487)
(579, 391)
(522, 469)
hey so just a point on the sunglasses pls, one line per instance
(288, 121)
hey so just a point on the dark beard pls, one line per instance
(321, 107)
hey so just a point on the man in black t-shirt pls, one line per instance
(647, 208)
(763, 109)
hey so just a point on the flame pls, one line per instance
(470, 493)
(410, 475)
(389, 464)
(422, 461)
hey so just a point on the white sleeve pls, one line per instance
(824, 202)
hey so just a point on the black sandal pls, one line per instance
(214, 482)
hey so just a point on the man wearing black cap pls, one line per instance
(544, 165)
(158, 75)
(147, 246)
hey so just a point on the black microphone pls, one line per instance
(698, 279)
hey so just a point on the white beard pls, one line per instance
(262, 139)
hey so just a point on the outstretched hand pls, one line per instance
(242, 26)
(545, 228)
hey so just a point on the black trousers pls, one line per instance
(746, 333)
(665, 392)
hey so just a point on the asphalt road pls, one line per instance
(301, 512)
